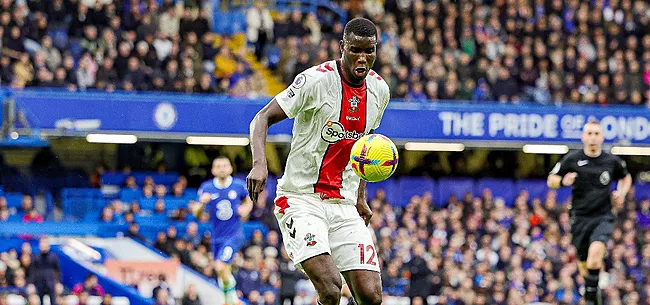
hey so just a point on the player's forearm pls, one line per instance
(362, 192)
(624, 185)
(554, 181)
(199, 211)
(259, 128)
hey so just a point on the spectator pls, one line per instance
(134, 232)
(32, 216)
(289, 276)
(161, 243)
(24, 71)
(107, 215)
(45, 272)
(161, 297)
(162, 285)
(259, 27)
(192, 234)
(420, 274)
(191, 297)
(26, 204)
(89, 286)
(86, 72)
(107, 299)
(83, 298)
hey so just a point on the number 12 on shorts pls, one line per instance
(370, 249)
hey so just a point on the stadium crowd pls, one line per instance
(594, 52)
(554, 51)
(470, 250)
(117, 45)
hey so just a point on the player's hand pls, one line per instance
(364, 211)
(255, 181)
(569, 178)
(618, 198)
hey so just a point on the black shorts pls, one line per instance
(586, 230)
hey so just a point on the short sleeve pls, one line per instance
(384, 103)
(562, 167)
(620, 168)
(298, 96)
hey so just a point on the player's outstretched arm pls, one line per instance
(271, 113)
(203, 201)
(245, 208)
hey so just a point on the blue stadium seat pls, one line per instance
(165, 179)
(151, 219)
(127, 195)
(454, 186)
(2, 190)
(504, 188)
(92, 216)
(81, 193)
(149, 203)
(389, 186)
(78, 207)
(113, 178)
(14, 200)
(412, 186)
(642, 191)
(172, 203)
(536, 188)
(191, 193)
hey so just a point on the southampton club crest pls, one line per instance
(354, 104)
(310, 239)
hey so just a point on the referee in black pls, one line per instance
(590, 171)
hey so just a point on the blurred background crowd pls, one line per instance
(470, 250)
(547, 51)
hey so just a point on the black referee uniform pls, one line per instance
(591, 216)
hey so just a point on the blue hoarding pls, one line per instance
(222, 115)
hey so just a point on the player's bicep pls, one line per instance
(273, 112)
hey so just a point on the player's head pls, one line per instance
(358, 48)
(221, 167)
(592, 136)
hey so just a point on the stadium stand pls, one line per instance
(486, 241)
(544, 51)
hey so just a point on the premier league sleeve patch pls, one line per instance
(300, 81)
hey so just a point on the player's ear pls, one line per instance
(342, 45)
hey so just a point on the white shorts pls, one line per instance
(311, 226)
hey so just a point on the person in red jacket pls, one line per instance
(32, 216)
(89, 285)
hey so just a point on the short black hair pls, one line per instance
(360, 27)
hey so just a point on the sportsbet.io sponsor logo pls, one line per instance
(334, 131)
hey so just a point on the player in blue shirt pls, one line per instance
(227, 200)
